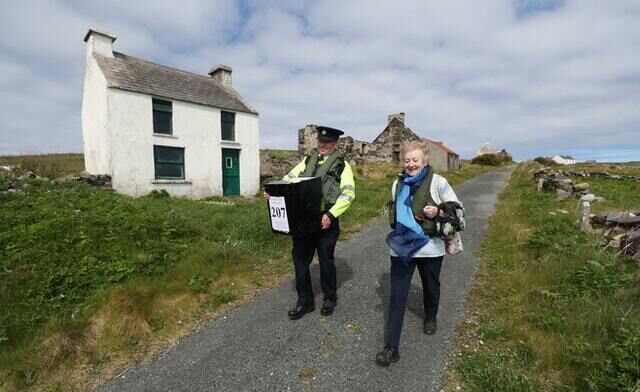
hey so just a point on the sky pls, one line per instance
(535, 77)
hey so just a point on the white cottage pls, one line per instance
(153, 127)
(564, 160)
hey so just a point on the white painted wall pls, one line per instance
(94, 118)
(560, 160)
(196, 128)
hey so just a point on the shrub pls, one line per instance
(159, 194)
(497, 159)
(544, 161)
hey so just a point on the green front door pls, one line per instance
(230, 172)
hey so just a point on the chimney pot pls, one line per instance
(399, 116)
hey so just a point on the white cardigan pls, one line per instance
(440, 191)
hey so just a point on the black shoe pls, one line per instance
(300, 311)
(430, 326)
(327, 307)
(386, 356)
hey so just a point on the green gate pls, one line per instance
(230, 172)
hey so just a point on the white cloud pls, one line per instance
(529, 75)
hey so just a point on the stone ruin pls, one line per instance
(486, 149)
(385, 148)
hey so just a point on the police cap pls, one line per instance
(328, 134)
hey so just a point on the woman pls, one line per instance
(414, 242)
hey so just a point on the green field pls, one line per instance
(550, 309)
(91, 281)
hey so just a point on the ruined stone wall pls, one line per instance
(307, 139)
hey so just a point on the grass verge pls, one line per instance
(549, 310)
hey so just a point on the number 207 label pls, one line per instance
(278, 212)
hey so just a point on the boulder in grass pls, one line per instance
(588, 197)
(27, 175)
(622, 218)
(630, 244)
(561, 194)
(583, 186)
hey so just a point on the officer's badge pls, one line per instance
(324, 132)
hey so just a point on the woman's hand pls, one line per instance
(265, 195)
(430, 211)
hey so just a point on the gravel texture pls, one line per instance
(255, 347)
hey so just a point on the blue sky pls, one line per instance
(536, 77)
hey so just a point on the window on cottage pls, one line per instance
(169, 162)
(162, 121)
(228, 126)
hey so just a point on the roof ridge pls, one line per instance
(170, 68)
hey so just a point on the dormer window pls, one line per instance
(228, 126)
(162, 117)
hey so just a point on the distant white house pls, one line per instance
(486, 149)
(564, 160)
(154, 127)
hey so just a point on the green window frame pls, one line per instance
(168, 162)
(228, 126)
(162, 117)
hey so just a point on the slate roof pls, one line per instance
(133, 74)
(567, 157)
(443, 147)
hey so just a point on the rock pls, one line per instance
(598, 220)
(563, 211)
(631, 243)
(6, 170)
(85, 175)
(616, 240)
(588, 197)
(583, 186)
(561, 194)
(27, 175)
(626, 219)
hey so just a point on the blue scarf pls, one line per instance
(407, 237)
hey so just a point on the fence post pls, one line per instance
(585, 221)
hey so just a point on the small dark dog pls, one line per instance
(449, 219)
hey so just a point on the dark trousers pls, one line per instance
(303, 251)
(400, 281)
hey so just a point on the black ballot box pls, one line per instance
(295, 207)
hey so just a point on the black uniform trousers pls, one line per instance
(304, 248)
(400, 282)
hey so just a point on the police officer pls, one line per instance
(338, 190)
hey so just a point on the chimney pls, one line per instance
(99, 42)
(222, 74)
(399, 116)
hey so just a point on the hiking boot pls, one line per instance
(386, 356)
(430, 327)
(327, 307)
